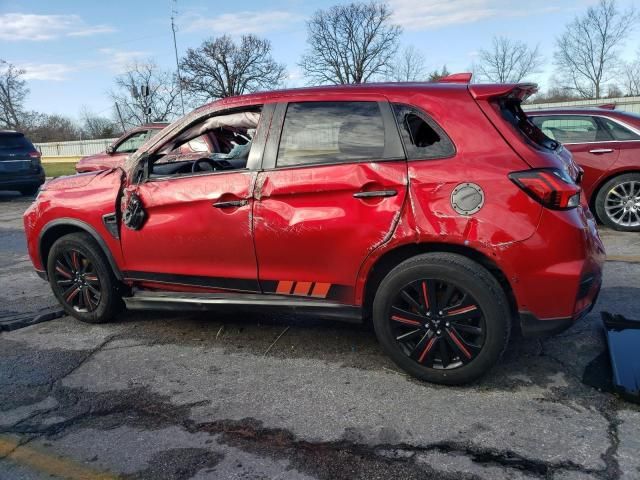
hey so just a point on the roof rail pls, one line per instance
(457, 78)
(608, 106)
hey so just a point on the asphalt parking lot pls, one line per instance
(169, 396)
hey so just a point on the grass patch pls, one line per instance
(58, 169)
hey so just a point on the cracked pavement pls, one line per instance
(176, 396)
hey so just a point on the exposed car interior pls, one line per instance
(218, 143)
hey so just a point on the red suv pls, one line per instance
(117, 152)
(436, 210)
(606, 144)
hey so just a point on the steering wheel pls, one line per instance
(203, 165)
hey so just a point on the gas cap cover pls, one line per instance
(467, 198)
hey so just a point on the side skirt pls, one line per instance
(173, 301)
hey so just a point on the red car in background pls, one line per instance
(437, 211)
(120, 149)
(606, 144)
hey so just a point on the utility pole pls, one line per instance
(120, 117)
(174, 12)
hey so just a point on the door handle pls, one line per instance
(599, 151)
(376, 193)
(231, 204)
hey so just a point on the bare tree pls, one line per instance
(409, 66)
(221, 68)
(587, 52)
(95, 126)
(508, 61)
(162, 101)
(632, 78)
(436, 75)
(13, 92)
(350, 43)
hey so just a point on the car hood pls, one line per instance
(78, 180)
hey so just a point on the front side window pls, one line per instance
(619, 132)
(133, 142)
(215, 144)
(330, 132)
(423, 138)
(572, 129)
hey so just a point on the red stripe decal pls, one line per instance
(426, 349)
(470, 308)
(424, 292)
(405, 320)
(454, 337)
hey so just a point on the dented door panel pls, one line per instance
(185, 235)
(312, 234)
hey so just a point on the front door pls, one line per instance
(197, 200)
(197, 233)
(333, 187)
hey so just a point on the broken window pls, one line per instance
(214, 144)
(422, 137)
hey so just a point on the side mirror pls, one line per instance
(110, 149)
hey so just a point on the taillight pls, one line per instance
(552, 187)
(35, 158)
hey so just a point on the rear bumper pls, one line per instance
(532, 326)
(556, 274)
(11, 182)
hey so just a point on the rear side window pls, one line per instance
(422, 137)
(330, 132)
(15, 142)
(619, 132)
(572, 128)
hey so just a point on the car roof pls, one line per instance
(13, 133)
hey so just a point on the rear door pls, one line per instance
(586, 137)
(333, 184)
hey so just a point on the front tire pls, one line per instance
(442, 317)
(82, 280)
(618, 203)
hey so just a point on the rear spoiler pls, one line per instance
(520, 91)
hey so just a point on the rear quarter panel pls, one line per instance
(482, 157)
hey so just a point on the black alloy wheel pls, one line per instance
(82, 279)
(78, 281)
(437, 324)
(442, 317)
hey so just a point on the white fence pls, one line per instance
(628, 104)
(78, 148)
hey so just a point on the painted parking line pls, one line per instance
(57, 467)
(624, 258)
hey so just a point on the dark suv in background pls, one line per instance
(20, 167)
(606, 144)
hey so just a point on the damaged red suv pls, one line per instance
(438, 211)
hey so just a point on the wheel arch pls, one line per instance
(394, 257)
(55, 229)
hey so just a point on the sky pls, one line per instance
(72, 49)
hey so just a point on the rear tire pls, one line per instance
(442, 317)
(82, 280)
(617, 194)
